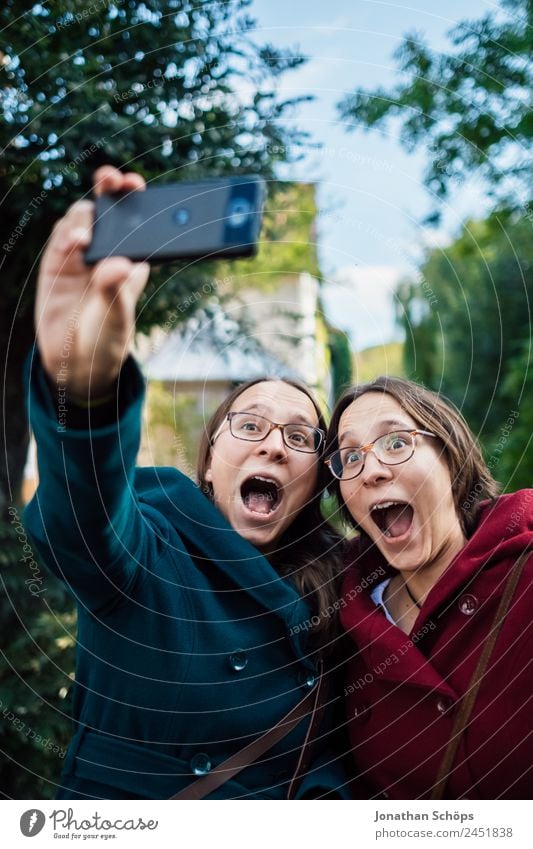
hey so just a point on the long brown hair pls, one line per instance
(309, 551)
(471, 479)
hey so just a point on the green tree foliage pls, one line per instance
(511, 447)
(377, 360)
(341, 360)
(471, 107)
(422, 331)
(36, 669)
(174, 90)
(468, 326)
(468, 317)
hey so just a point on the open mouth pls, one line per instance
(393, 518)
(261, 494)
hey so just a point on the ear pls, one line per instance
(208, 476)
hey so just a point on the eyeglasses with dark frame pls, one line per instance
(392, 449)
(253, 428)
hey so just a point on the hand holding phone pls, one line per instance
(85, 316)
(180, 221)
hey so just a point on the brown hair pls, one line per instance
(309, 552)
(471, 479)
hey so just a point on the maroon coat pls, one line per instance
(402, 692)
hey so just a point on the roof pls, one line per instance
(211, 351)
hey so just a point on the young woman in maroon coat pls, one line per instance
(426, 575)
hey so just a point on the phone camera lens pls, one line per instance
(238, 211)
(181, 216)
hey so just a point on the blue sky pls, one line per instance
(370, 191)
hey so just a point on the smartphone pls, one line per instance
(207, 219)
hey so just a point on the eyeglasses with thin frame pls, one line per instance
(253, 428)
(392, 449)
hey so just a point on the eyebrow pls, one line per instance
(394, 423)
(261, 410)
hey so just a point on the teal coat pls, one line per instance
(189, 643)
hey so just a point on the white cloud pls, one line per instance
(360, 301)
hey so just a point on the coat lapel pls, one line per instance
(389, 654)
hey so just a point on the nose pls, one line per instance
(273, 445)
(374, 470)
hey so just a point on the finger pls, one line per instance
(70, 236)
(79, 214)
(111, 275)
(138, 279)
(133, 181)
(75, 239)
(108, 179)
(74, 229)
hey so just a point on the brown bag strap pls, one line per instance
(314, 723)
(227, 770)
(470, 696)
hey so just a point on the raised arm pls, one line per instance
(85, 404)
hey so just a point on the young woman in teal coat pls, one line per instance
(205, 611)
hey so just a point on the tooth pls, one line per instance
(383, 506)
(265, 480)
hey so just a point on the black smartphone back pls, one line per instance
(180, 221)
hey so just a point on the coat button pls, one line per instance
(444, 705)
(201, 764)
(306, 679)
(361, 713)
(468, 604)
(238, 660)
